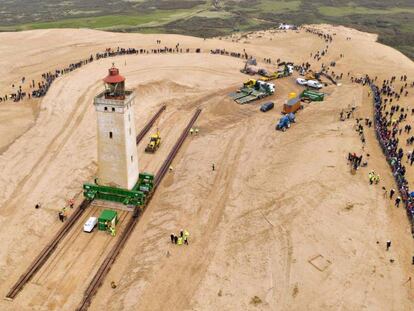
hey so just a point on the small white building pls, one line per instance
(117, 150)
(287, 27)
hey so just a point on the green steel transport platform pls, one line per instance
(136, 196)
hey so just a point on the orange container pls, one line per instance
(292, 105)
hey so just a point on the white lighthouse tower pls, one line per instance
(117, 151)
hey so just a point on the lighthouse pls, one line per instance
(117, 151)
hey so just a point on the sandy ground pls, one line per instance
(281, 218)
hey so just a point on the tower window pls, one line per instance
(110, 135)
(132, 158)
(113, 109)
(106, 108)
(129, 117)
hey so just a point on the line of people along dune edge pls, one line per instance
(37, 89)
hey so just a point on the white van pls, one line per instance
(90, 224)
(301, 81)
(314, 84)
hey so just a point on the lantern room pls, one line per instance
(114, 85)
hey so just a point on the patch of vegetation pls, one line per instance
(215, 14)
(295, 291)
(109, 22)
(352, 10)
(17, 12)
(279, 6)
(206, 27)
(170, 5)
(255, 300)
(396, 30)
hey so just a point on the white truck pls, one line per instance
(301, 81)
(268, 87)
(314, 84)
(90, 224)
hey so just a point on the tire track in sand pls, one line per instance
(53, 149)
(192, 268)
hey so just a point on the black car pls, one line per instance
(267, 106)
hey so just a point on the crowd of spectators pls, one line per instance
(40, 88)
(387, 132)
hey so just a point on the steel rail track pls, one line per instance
(41, 259)
(103, 270)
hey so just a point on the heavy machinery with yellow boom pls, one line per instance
(250, 83)
(154, 143)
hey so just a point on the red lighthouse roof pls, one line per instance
(114, 76)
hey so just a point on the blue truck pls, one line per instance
(285, 122)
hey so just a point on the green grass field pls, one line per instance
(393, 20)
(107, 22)
(352, 10)
(279, 6)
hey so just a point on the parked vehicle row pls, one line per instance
(310, 83)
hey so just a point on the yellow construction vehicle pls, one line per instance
(310, 75)
(154, 143)
(250, 83)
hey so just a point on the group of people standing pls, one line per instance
(389, 141)
(63, 213)
(40, 89)
(388, 124)
(354, 160)
(374, 178)
(194, 131)
(392, 192)
(180, 239)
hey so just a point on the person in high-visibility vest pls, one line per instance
(180, 240)
(371, 176)
(186, 235)
(64, 213)
(196, 131)
(112, 231)
(191, 131)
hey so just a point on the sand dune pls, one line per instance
(281, 218)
